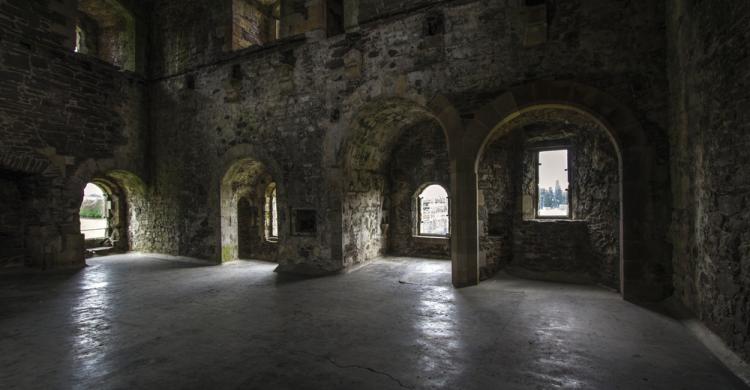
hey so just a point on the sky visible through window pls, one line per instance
(433, 204)
(271, 217)
(553, 183)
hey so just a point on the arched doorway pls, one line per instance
(114, 215)
(252, 215)
(95, 217)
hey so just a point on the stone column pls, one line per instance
(464, 232)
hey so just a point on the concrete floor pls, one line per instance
(137, 321)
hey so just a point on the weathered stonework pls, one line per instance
(330, 116)
(420, 157)
(302, 102)
(584, 248)
(349, 125)
(710, 135)
(59, 111)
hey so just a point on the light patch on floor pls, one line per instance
(141, 321)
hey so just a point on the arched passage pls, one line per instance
(549, 198)
(646, 261)
(95, 216)
(127, 211)
(252, 215)
(393, 147)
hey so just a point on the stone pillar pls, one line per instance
(464, 232)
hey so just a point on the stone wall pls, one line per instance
(58, 112)
(300, 102)
(558, 250)
(498, 183)
(12, 223)
(709, 68)
(364, 237)
(188, 33)
(297, 105)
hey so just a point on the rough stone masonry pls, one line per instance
(358, 103)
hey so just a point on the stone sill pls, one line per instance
(554, 220)
(436, 238)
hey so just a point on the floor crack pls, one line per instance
(368, 369)
(349, 366)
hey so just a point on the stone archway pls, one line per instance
(131, 214)
(244, 175)
(646, 260)
(364, 157)
(581, 245)
(243, 192)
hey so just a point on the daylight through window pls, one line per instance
(79, 39)
(271, 215)
(553, 183)
(93, 213)
(433, 209)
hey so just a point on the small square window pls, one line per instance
(496, 224)
(553, 197)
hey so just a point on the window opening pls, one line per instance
(94, 212)
(335, 17)
(433, 212)
(271, 214)
(553, 184)
(79, 39)
(255, 22)
(106, 30)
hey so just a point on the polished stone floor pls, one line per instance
(143, 322)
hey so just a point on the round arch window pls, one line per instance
(433, 211)
(94, 212)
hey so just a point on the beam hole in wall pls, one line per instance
(305, 222)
